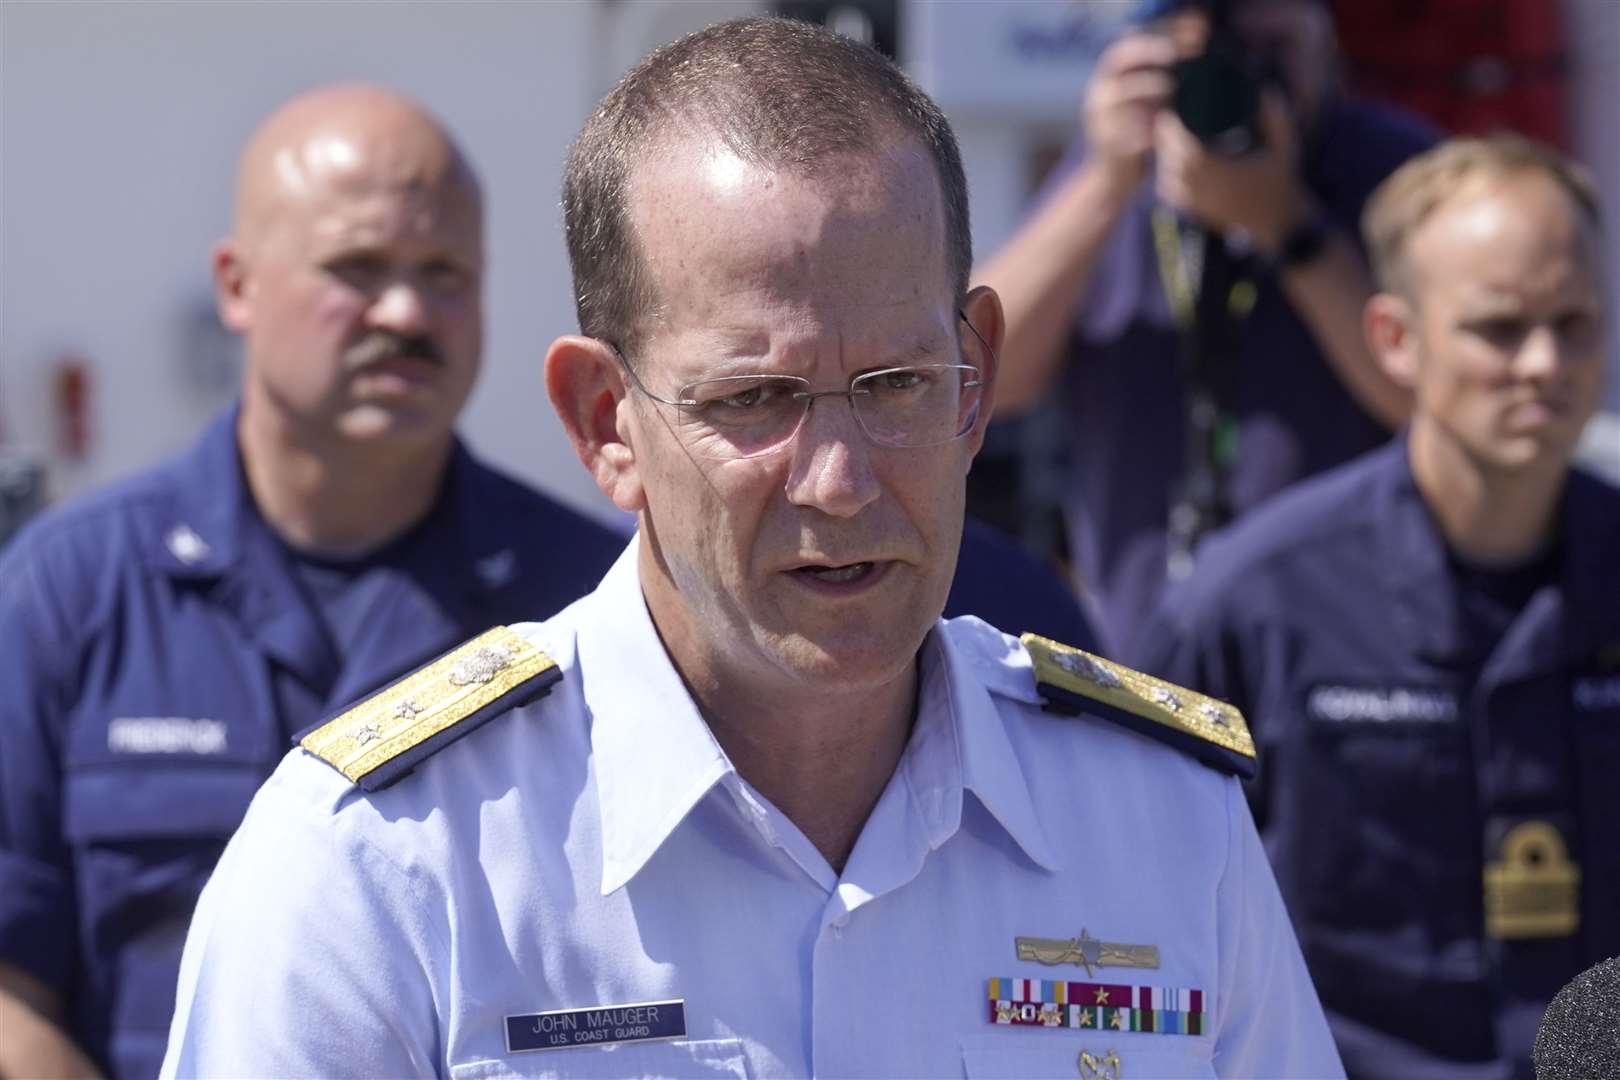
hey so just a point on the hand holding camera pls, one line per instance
(1130, 87)
(1257, 191)
(1211, 115)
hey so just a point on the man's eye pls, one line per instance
(1574, 323)
(903, 379)
(444, 275)
(753, 397)
(359, 271)
(1502, 331)
(743, 399)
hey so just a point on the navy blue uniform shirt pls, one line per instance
(1401, 750)
(160, 650)
(1124, 384)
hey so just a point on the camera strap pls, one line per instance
(1211, 292)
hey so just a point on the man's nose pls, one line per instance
(831, 469)
(1541, 353)
(399, 307)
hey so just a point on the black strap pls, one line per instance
(1209, 320)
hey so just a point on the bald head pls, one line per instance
(354, 271)
(344, 135)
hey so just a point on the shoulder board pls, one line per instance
(380, 740)
(1073, 681)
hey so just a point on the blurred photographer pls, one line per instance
(1197, 297)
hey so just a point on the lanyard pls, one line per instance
(1210, 330)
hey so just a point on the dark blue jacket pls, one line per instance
(1012, 589)
(158, 652)
(1399, 750)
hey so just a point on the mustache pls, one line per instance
(381, 345)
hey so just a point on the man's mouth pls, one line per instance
(838, 575)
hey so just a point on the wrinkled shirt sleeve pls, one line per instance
(1274, 1025)
(311, 954)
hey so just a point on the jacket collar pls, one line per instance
(1422, 583)
(202, 528)
(210, 523)
(206, 528)
(656, 759)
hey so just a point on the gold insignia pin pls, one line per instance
(1099, 1066)
(1087, 952)
(1534, 889)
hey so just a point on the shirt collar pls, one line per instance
(965, 744)
(655, 757)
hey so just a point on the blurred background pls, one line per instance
(120, 122)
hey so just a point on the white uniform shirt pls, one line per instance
(597, 849)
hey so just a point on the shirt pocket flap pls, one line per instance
(1124, 1057)
(657, 1058)
(145, 800)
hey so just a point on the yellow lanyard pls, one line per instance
(1178, 287)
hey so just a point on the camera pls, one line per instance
(1217, 98)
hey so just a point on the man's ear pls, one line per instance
(231, 286)
(982, 309)
(1390, 325)
(587, 389)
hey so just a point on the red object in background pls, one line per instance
(1471, 66)
(72, 379)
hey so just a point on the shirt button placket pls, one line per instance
(834, 997)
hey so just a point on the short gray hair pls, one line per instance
(778, 93)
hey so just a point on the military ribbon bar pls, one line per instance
(1162, 1010)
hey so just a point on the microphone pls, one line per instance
(1579, 1037)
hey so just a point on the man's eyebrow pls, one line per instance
(753, 356)
(924, 348)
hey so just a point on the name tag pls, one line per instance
(562, 1028)
(1598, 693)
(165, 735)
(1381, 705)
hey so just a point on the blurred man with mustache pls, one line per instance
(1428, 638)
(164, 640)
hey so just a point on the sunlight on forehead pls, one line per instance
(290, 173)
(331, 153)
(297, 167)
(724, 170)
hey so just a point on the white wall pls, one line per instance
(119, 126)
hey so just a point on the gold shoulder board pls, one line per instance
(384, 737)
(1073, 680)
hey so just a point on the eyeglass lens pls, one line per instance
(745, 415)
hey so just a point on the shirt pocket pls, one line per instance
(1124, 1057)
(662, 1058)
(145, 835)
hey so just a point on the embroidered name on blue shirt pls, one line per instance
(562, 1028)
(1381, 705)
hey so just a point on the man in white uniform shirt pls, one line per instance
(751, 808)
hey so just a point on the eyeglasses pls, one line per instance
(744, 416)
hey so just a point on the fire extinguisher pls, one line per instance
(72, 387)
